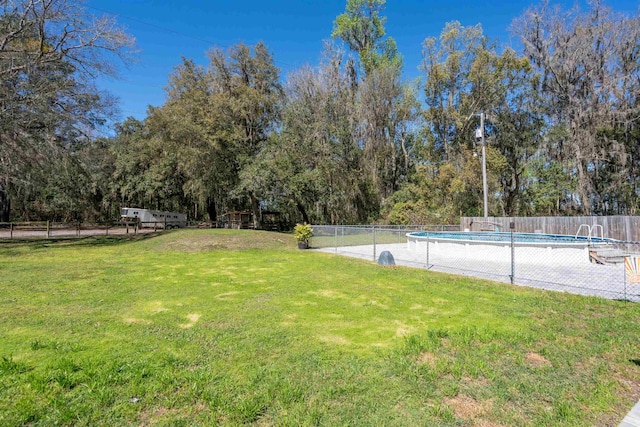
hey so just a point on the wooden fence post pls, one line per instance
(627, 226)
(11, 230)
(48, 230)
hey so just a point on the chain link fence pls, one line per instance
(581, 265)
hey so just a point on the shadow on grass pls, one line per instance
(80, 241)
(627, 300)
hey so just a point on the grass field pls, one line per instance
(357, 237)
(218, 327)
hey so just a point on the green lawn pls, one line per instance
(357, 237)
(212, 327)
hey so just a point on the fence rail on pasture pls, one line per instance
(51, 229)
(609, 269)
(617, 227)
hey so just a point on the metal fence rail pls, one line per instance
(605, 268)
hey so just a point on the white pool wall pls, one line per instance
(548, 253)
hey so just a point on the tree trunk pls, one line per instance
(211, 209)
(5, 203)
(255, 208)
(303, 212)
(583, 189)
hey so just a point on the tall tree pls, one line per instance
(465, 75)
(314, 166)
(591, 74)
(385, 105)
(50, 52)
(362, 28)
(455, 65)
(146, 172)
(191, 130)
(387, 111)
(517, 125)
(246, 96)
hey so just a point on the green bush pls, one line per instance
(303, 232)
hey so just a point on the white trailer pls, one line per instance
(152, 218)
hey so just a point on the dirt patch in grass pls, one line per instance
(633, 385)
(537, 360)
(157, 307)
(485, 423)
(427, 358)
(193, 319)
(468, 408)
(153, 415)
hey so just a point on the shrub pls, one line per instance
(303, 232)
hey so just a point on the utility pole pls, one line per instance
(484, 168)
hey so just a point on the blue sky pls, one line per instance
(167, 30)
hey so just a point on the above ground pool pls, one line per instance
(535, 239)
(546, 249)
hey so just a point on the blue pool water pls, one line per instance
(506, 237)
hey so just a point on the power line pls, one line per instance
(171, 31)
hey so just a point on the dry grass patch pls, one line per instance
(193, 319)
(161, 415)
(334, 339)
(226, 295)
(328, 293)
(468, 408)
(537, 360)
(427, 358)
(152, 416)
(485, 423)
(136, 321)
(478, 382)
(157, 307)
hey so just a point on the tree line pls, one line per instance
(347, 141)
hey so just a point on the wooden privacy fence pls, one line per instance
(618, 227)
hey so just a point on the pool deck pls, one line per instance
(576, 276)
(633, 417)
